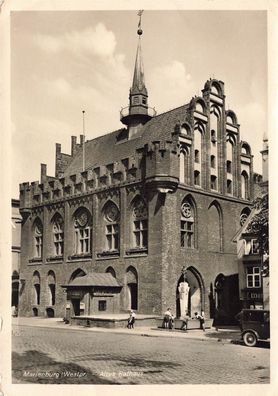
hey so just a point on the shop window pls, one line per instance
(187, 225)
(253, 277)
(102, 305)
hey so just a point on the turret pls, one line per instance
(138, 112)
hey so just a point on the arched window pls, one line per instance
(214, 228)
(244, 215)
(111, 215)
(212, 161)
(199, 107)
(245, 149)
(140, 224)
(213, 182)
(197, 156)
(77, 274)
(110, 270)
(198, 138)
(51, 281)
(229, 166)
(187, 225)
(83, 227)
(38, 241)
(182, 167)
(58, 234)
(197, 178)
(244, 185)
(229, 186)
(36, 288)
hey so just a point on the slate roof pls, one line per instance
(95, 279)
(108, 149)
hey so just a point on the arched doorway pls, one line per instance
(227, 303)
(189, 292)
(77, 302)
(132, 288)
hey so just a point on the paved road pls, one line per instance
(42, 355)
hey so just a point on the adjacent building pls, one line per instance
(16, 229)
(133, 214)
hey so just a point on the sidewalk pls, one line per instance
(224, 335)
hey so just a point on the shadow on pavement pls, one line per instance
(260, 344)
(37, 367)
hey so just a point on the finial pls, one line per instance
(139, 31)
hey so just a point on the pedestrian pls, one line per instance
(131, 320)
(185, 319)
(201, 318)
(168, 319)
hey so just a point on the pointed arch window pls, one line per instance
(38, 239)
(112, 227)
(51, 280)
(36, 288)
(244, 185)
(187, 225)
(83, 227)
(140, 224)
(58, 235)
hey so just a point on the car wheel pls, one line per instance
(250, 339)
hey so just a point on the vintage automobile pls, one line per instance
(255, 325)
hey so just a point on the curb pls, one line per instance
(149, 333)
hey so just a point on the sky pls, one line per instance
(63, 62)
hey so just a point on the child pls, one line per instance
(201, 318)
(131, 320)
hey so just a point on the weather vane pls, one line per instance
(139, 31)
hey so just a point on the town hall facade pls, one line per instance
(132, 214)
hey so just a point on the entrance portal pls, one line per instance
(189, 293)
(132, 288)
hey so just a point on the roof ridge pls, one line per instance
(168, 111)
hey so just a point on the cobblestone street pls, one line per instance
(45, 355)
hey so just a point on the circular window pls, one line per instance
(186, 210)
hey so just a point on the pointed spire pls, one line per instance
(138, 112)
(138, 83)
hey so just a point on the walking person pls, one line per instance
(131, 320)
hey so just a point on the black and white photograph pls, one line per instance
(139, 196)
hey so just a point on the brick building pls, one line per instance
(133, 215)
(253, 280)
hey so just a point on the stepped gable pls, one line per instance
(116, 146)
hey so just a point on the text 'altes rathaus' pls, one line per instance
(133, 216)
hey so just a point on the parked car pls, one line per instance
(255, 325)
